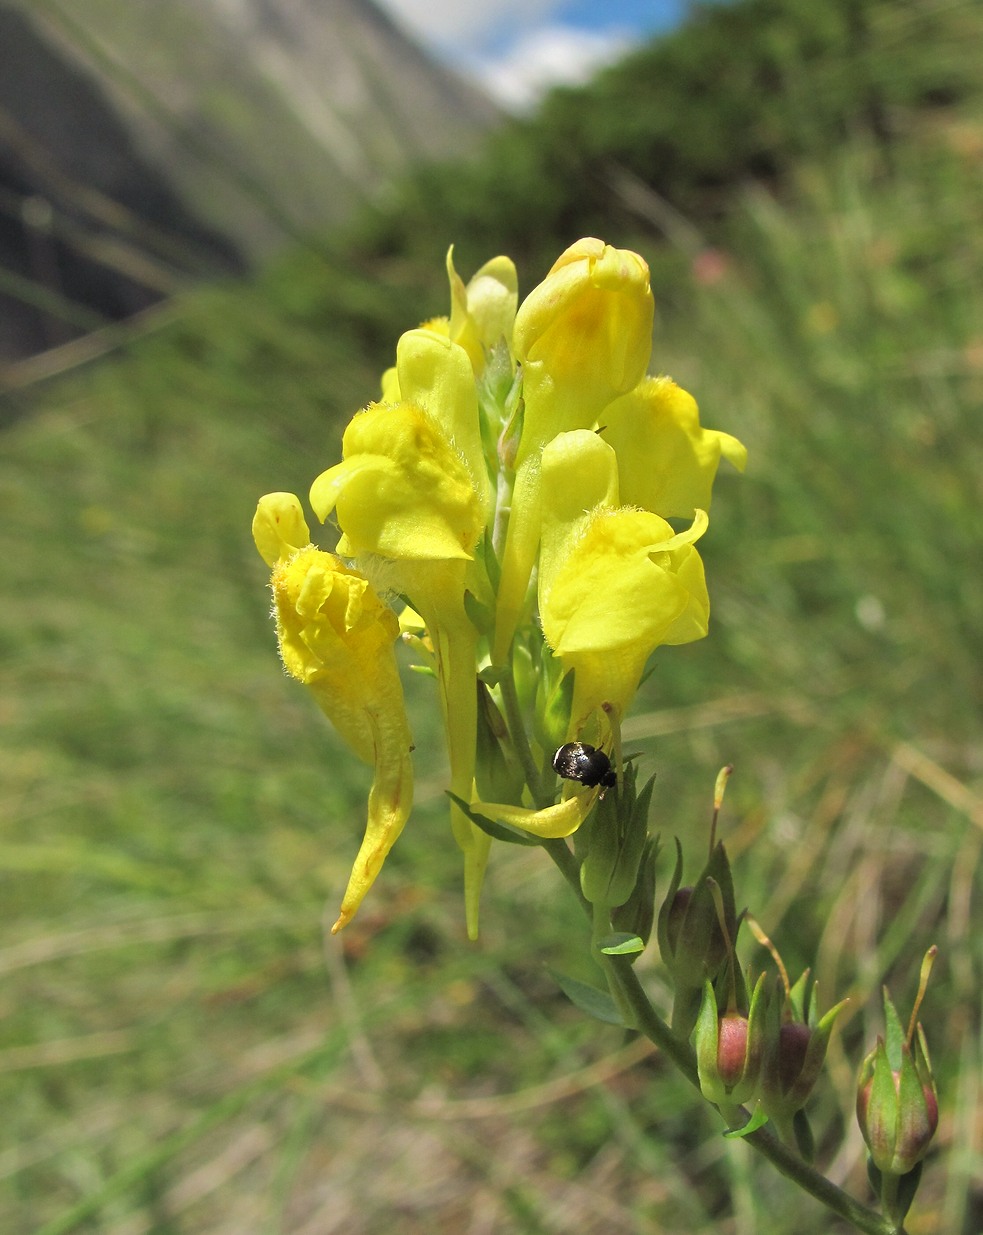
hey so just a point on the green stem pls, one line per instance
(520, 742)
(764, 1140)
(569, 868)
(648, 1022)
(600, 927)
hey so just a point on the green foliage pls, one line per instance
(742, 92)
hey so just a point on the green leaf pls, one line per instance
(621, 944)
(758, 1120)
(497, 831)
(589, 999)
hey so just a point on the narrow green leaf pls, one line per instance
(621, 944)
(758, 1120)
(589, 999)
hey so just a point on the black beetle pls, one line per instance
(583, 762)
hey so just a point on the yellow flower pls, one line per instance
(515, 476)
(336, 636)
(411, 496)
(412, 484)
(482, 312)
(666, 461)
(615, 582)
(583, 337)
(561, 819)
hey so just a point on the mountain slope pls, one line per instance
(222, 127)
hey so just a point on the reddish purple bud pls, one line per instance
(898, 1111)
(793, 1043)
(732, 1036)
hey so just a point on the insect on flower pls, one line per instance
(585, 763)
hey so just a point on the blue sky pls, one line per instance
(518, 48)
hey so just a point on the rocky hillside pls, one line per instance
(144, 143)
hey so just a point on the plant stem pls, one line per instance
(517, 732)
(649, 1023)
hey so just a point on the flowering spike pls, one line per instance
(490, 496)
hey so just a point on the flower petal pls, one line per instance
(336, 636)
(627, 584)
(436, 375)
(403, 491)
(561, 819)
(666, 461)
(279, 527)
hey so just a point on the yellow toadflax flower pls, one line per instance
(615, 581)
(411, 497)
(336, 636)
(666, 461)
(583, 337)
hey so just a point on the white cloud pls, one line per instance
(549, 56)
(466, 24)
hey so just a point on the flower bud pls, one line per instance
(693, 946)
(637, 915)
(897, 1107)
(796, 1046)
(610, 867)
(728, 1048)
(794, 1053)
(588, 326)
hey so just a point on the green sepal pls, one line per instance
(907, 1186)
(706, 1038)
(802, 1001)
(589, 999)
(492, 828)
(903, 1193)
(883, 1094)
(816, 1051)
(610, 866)
(665, 912)
(637, 914)
(553, 701)
(624, 878)
(493, 568)
(894, 1034)
(497, 772)
(621, 943)
(480, 616)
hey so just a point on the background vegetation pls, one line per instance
(179, 1051)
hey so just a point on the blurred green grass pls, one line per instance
(180, 1052)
